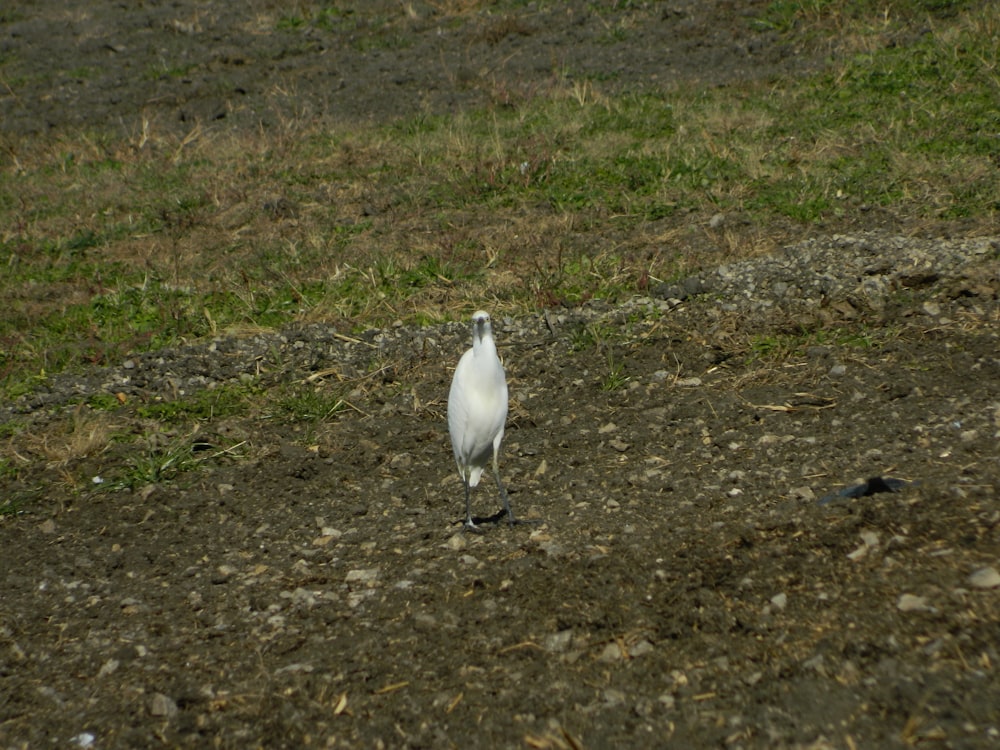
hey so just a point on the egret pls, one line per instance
(477, 411)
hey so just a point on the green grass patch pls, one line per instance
(166, 462)
(14, 503)
(783, 345)
(615, 379)
(308, 403)
(205, 405)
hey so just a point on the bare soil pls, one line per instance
(695, 578)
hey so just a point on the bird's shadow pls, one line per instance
(500, 517)
(496, 518)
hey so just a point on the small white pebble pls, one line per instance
(912, 603)
(985, 578)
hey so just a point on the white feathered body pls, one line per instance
(477, 406)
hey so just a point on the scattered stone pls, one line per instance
(912, 603)
(557, 643)
(688, 383)
(300, 597)
(985, 578)
(641, 648)
(162, 705)
(779, 601)
(612, 652)
(109, 667)
(817, 664)
(753, 678)
(859, 553)
(804, 493)
(365, 575)
(401, 461)
(667, 700)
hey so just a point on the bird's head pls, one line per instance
(481, 324)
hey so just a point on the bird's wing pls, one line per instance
(458, 407)
(475, 415)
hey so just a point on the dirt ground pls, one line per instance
(182, 65)
(685, 585)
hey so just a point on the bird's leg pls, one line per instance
(503, 495)
(468, 512)
(511, 521)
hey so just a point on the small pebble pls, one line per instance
(362, 575)
(912, 603)
(803, 493)
(611, 652)
(222, 574)
(641, 649)
(162, 705)
(557, 643)
(985, 578)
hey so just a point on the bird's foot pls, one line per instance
(493, 520)
(470, 526)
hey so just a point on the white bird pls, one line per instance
(477, 411)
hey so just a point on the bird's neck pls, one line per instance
(484, 346)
